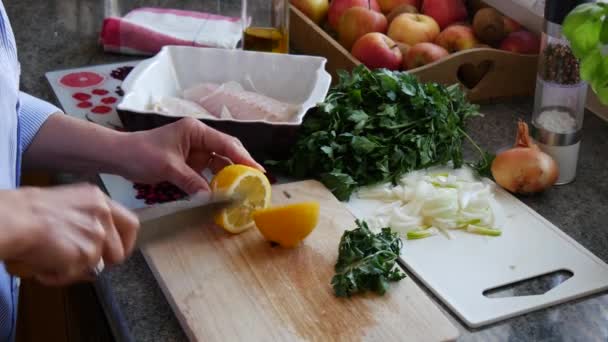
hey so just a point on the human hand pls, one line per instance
(69, 229)
(179, 152)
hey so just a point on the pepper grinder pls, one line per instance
(559, 101)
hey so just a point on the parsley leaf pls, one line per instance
(375, 126)
(366, 261)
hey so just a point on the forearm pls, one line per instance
(67, 144)
(17, 223)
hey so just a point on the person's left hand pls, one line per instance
(178, 153)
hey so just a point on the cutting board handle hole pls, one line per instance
(533, 286)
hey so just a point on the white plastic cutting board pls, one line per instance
(458, 271)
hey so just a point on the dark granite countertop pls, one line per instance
(58, 34)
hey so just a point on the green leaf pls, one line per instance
(341, 184)
(362, 145)
(602, 94)
(582, 27)
(604, 33)
(328, 150)
(357, 115)
(366, 261)
(483, 166)
(376, 125)
(590, 64)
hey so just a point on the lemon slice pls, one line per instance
(247, 183)
(287, 225)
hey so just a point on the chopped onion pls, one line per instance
(427, 202)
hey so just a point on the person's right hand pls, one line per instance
(72, 228)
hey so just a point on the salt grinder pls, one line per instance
(559, 101)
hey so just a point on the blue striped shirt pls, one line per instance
(21, 116)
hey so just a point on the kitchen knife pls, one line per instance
(162, 221)
(168, 219)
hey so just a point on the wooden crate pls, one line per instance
(500, 74)
(486, 74)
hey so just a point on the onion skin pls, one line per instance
(524, 168)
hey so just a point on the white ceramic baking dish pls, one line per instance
(299, 80)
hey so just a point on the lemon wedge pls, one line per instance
(247, 183)
(287, 225)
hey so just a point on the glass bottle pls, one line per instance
(267, 25)
(559, 102)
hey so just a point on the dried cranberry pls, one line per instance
(121, 73)
(119, 91)
(159, 193)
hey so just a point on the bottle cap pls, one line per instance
(557, 10)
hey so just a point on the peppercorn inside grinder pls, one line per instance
(559, 102)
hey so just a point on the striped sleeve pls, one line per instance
(33, 112)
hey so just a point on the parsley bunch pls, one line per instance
(377, 125)
(366, 261)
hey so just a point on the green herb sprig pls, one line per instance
(366, 261)
(586, 27)
(375, 126)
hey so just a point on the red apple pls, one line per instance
(423, 54)
(412, 28)
(356, 22)
(376, 50)
(388, 5)
(338, 7)
(404, 48)
(521, 42)
(456, 38)
(400, 10)
(316, 10)
(445, 12)
(510, 25)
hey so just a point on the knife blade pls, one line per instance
(168, 219)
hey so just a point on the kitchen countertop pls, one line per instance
(59, 34)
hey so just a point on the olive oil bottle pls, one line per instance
(268, 29)
(266, 39)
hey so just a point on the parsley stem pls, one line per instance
(473, 143)
(355, 265)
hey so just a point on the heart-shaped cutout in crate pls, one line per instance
(470, 75)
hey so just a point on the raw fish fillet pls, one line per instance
(230, 99)
(174, 106)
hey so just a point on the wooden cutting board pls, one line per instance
(225, 287)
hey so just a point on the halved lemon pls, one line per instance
(287, 225)
(247, 183)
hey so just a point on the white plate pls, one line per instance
(299, 80)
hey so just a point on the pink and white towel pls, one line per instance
(144, 31)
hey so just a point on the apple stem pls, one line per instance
(369, 5)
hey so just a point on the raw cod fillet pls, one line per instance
(174, 106)
(231, 100)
